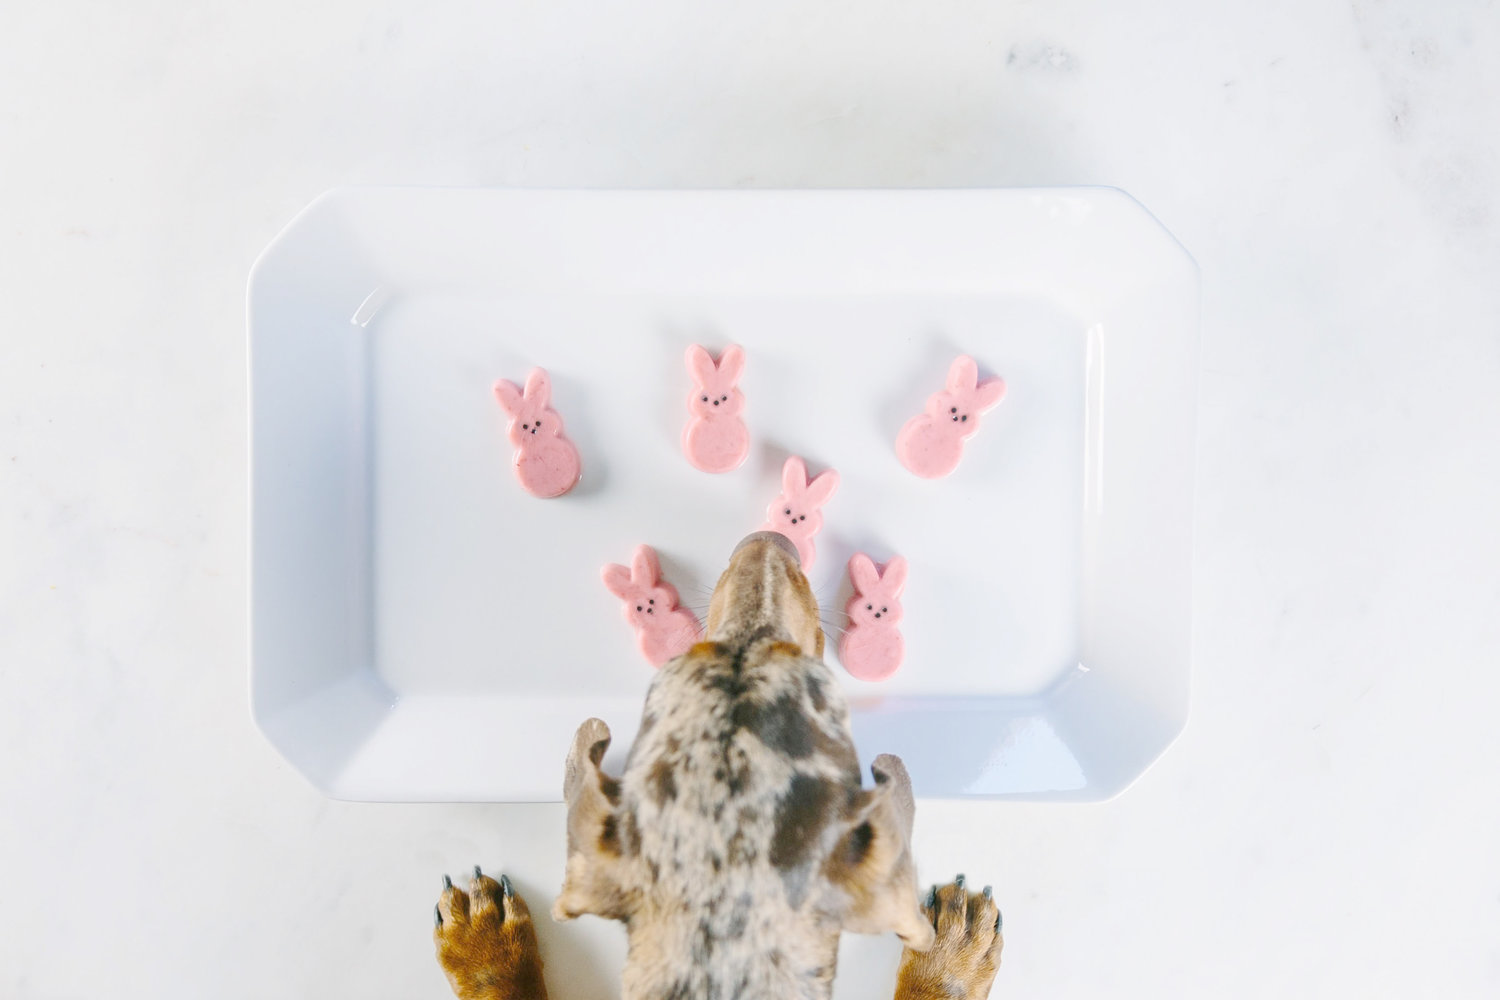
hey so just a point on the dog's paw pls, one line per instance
(963, 958)
(485, 941)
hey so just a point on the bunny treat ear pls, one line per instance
(862, 573)
(795, 486)
(963, 374)
(723, 373)
(893, 580)
(793, 478)
(508, 394)
(700, 365)
(645, 568)
(988, 393)
(731, 365)
(538, 387)
(617, 579)
(821, 489)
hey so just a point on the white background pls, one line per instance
(1330, 821)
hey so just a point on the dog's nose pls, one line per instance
(775, 537)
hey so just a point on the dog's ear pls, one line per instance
(873, 865)
(594, 881)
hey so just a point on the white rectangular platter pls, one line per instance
(423, 629)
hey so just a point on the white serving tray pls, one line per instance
(422, 629)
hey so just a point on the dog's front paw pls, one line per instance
(486, 943)
(963, 958)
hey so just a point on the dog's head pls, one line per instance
(741, 813)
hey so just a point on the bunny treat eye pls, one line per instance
(705, 399)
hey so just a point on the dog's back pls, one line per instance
(741, 779)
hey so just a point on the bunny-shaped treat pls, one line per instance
(931, 444)
(716, 439)
(872, 649)
(546, 461)
(796, 513)
(662, 629)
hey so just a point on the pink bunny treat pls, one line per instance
(546, 462)
(872, 649)
(797, 512)
(931, 443)
(715, 438)
(663, 630)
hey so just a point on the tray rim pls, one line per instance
(340, 198)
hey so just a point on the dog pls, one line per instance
(739, 842)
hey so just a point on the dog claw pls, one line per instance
(932, 897)
(999, 919)
(505, 888)
(437, 917)
(447, 882)
(989, 892)
(958, 880)
(477, 873)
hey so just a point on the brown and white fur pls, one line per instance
(739, 843)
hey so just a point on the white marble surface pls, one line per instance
(1329, 821)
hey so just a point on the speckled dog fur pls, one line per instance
(739, 842)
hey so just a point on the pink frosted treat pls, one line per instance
(662, 629)
(931, 444)
(716, 439)
(872, 649)
(546, 461)
(796, 513)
